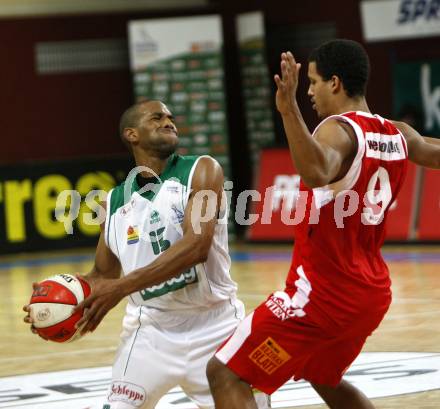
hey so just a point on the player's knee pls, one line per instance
(213, 370)
(344, 395)
(218, 374)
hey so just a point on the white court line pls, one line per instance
(379, 375)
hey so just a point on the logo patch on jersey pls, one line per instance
(269, 356)
(173, 189)
(179, 215)
(155, 217)
(132, 235)
(126, 209)
(384, 147)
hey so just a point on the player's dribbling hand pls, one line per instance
(106, 293)
(287, 84)
(27, 319)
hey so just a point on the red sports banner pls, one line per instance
(429, 212)
(400, 215)
(278, 187)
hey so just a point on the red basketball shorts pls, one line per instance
(273, 345)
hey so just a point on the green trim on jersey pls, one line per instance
(117, 198)
(177, 168)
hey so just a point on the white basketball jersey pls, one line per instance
(147, 221)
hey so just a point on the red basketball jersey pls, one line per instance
(337, 270)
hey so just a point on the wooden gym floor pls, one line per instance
(412, 324)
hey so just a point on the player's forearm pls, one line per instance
(106, 264)
(426, 154)
(109, 270)
(180, 257)
(96, 273)
(306, 153)
(433, 141)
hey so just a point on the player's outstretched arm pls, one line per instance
(106, 263)
(199, 224)
(103, 275)
(429, 139)
(423, 151)
(319, 160)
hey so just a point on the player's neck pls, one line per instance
(353, 104)
(152, 161)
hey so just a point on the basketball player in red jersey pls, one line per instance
(338, 287)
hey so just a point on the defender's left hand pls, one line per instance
(287, 84)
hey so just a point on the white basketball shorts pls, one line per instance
(162, 350)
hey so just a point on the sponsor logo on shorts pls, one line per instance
(126, 392)
(281, 305)
(269, 356)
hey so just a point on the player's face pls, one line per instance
(319, 92)
(156, 128)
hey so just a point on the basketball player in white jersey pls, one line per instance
(166, 230)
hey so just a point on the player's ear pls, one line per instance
(335, 83)
(130, 135)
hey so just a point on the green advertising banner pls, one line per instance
(179, 61)
(417, 94)
(256, 82)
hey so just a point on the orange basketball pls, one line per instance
(52, 304)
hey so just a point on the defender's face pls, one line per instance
(156, 127)
(319, 92)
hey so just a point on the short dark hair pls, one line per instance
(130, 119)
(347, 60)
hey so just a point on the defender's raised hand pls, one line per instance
(287, 84)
